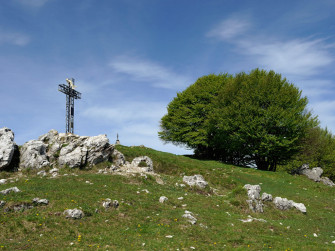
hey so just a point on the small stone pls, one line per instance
(9, 190)
(3, 181)
(195, 180)
(39, 201)
(190, 217)
(2, 203)
(180, 198)
(169, 236)
(74, 213)
(162, 199)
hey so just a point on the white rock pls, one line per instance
(180, 198)
(9, 190)
(74, 213)
(300, 206)
(7, 147)
(3, 181)
(195, 180)
(162, 199)
(266, 197)
(40, 201)
(283, 203)
(190, 217)
(33, 155)
(169, 236)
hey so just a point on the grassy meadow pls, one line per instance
(142, 223)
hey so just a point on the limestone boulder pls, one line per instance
(313, 174)
(98, 149)
(118, 158)
(254, 201)
(195, 180)
(72, 156)
(10, 190)
(266, 197)
(33, 155)
(7, 147)
(74, 213)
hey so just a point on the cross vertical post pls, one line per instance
(71, 95)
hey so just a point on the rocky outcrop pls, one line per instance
(315, 174)
(33, 155)
(285, 204)
(254, 201)
(7, 147)
(62, 149)
(195, 180)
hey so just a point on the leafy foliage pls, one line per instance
(257, 118)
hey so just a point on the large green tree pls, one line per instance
(186, 120)
(257, 118)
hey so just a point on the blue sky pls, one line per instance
(130, 58)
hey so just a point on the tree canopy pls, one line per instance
(257, 118)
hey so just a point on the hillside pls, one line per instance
(141, 222)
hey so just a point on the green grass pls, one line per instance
(142, 223)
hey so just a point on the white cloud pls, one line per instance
(294, 57)
(13, 38)
(149, 72)
(229, 28)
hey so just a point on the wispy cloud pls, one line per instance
(14, 38)
(300, 57)
(150, 72)
(229, 28)
(294, 57)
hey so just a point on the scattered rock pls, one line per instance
(39, 201)
(3, 181)
(7, 147)
(285, 204)
(266, 197)
(169, 236)
(107, 203)
(74, 213)
(136, 162)
(195, 180)
(190, 217)
(254, 202)
(162, 199)
(42, 173)
(315, 174)
(300, 206)
(327, 181)
(9, 190)
(251, 219)
(2, 203)
(33, 155)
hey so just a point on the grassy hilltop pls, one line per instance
(142, 223)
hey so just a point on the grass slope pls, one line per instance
(142, 223)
